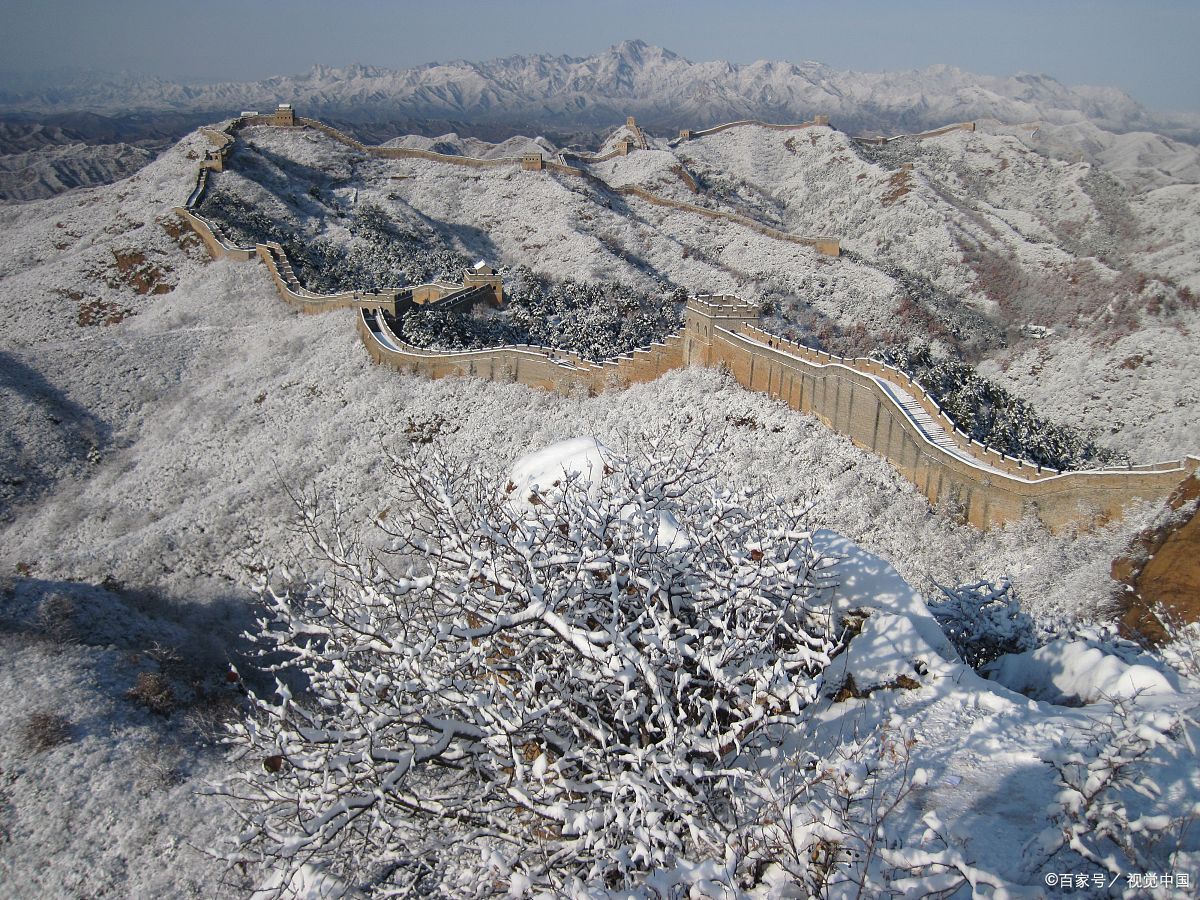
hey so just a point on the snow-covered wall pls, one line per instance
(849, 396)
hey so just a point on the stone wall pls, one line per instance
(688, 134)
(306, 301)
(920, 136)
(218, 246)
(827, 246)
(986, 489)
(537, 367)
(852, 403)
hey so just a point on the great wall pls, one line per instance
(876, 406)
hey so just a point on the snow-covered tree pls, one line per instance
(984, 621)
(550, 683)
(1118, 808)
(597, 320)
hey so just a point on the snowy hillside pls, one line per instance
(1056, 252)
(52, 170)
(156, 409)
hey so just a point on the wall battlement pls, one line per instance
(880, 140)
(689, 134)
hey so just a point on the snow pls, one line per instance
(146, 464)
(1053, 246)
(546, 468)
(1076, 671)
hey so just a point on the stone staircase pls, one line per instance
(929, 425)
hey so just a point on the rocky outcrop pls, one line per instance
(1162, 566)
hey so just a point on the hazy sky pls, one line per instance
(1146, 48)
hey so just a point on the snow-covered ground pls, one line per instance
(145, 464)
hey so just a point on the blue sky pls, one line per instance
(1146, 48)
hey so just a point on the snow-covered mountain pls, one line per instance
(664, 89)
(52, 169)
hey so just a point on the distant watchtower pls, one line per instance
(531, 162)
(481, 274)
(284, 115)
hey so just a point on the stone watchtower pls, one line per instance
(531, 162)
(704, 314)
(284, 115)
(480, 275)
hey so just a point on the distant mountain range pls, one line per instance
(571, 95)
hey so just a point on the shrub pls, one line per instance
(597, 320)
(44, 730)
(984, 621)
(564, 680)
(1119, 805)
(153, 691)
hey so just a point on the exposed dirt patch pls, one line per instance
(186, 239)
(132, 269)
(900, 184)
(94, 311)
(851, 691)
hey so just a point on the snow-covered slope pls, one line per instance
(974, 239)
(156, 408)
(52, 170)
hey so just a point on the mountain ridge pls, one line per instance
(663, 88)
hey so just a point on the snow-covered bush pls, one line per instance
(1128, 798)
(44, 730)
(597, 320)
(1181, 649)
(537, 684)
(984, 621)
(821, 822)
(379, 253)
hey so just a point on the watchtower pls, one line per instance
(284, 115)
(820, 120)
(704, 314)
(481, 274)
(531, 162)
